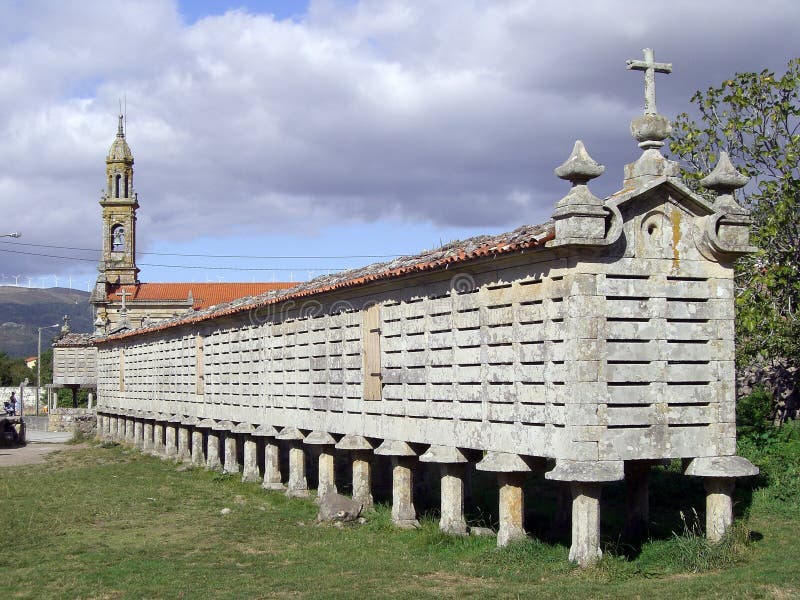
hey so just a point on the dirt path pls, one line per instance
(31, 454)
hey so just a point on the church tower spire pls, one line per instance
(119, 202)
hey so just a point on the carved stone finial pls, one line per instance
(579, 168)
(65, 327)
(579, 216)
(725, 180)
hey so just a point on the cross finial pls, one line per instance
(650, 68)
(124, 294)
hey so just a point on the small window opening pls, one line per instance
(116, 186)
(118, 239)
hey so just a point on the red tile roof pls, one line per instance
(528, 237)
(204, 295)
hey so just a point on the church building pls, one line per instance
(120, 300)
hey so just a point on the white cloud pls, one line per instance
(453, 112)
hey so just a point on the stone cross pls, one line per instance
(124, 293)
(650, 68)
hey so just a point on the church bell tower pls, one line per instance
(119, 203)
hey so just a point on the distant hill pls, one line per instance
(23, 310)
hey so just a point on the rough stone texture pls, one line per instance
(719, 507)
(512, 508)
(297, 487)
(272, 469)
(80, 420)
(231, 460)
(327, 475)
(147, 441)
(213, 461)
(334, 507)
(362, 479)
(184, 447)
(170, 441)
(721, 466)
(250, 464)
(587, 471)
(585, 548)
(452, 500)
(404, 514)
(198, 457)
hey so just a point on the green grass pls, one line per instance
(107, 522)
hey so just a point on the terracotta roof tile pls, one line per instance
(205, 295)
(519, 240)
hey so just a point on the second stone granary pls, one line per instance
(602, 341)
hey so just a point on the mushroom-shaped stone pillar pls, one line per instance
(171, 436)
(213, 446)
(147, 442)
(158, 433)
(404, 514)
(130, 428)
(138, 431)
(272, 465)
(250, 454)
(298, 485)
(327, 476)
(230, 462)
(510, 469)
(451, 461)
(586, 482)
(361, 448)
(199, 434)
(184, 438)
(98, 433)
(112, 428)
(719, 476)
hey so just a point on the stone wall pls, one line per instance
(79, 420)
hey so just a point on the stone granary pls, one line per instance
(590, 347)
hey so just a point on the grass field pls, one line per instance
(108, 522)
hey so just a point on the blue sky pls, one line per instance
(335, 130)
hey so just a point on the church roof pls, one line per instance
(204, 295)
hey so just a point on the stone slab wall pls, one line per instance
(615, 355)
(75, 365)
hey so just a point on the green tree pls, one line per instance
(13, 370)
(756, 118)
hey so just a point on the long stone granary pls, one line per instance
(593, 346)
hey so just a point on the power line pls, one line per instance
(185, 266)
(343, 256)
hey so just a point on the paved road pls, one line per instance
(47, 437)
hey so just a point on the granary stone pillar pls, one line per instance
(298, 485)
(184, 438)
(326, 483)
(199, 434)
(171, 437)
(158, 434)
(451, 461)
(213, 460)
(130, 429)
(637, 499)
(360, 449)
(719, 475)
(111, 430)
(98, 434)
(147, 435)
(586, 483)
(272, 466)
(230, 461)
(138, 432)
(510, 469)
(404, 514)
(250, 455)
